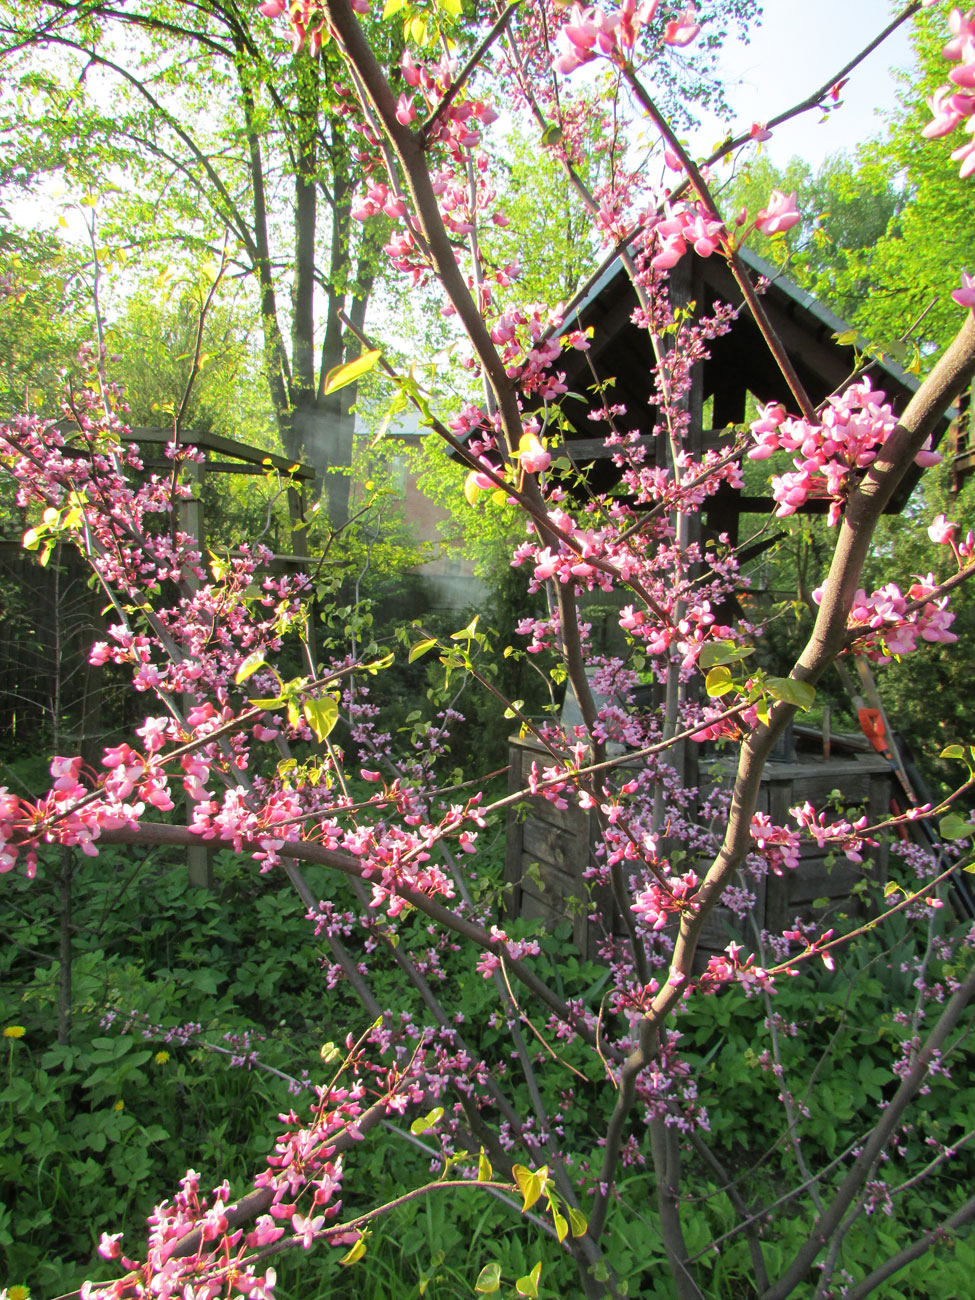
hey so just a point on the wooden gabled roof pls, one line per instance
(740, 363)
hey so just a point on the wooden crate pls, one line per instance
(549, 850)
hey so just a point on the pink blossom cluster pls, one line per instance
(682, 225)
(456, 125)
(530, 340)
(593, 33)
(724, 967)
(813, 946)
(944, 533)
(302, 1178)
(841, 833)
(461, 183)
(692, 224)
(219, 1267)
(954, 103)
(550, 784)
(490, 961)
(307, 21)
(778, 845)
(657, 903)
(829, 455)
(889, 623)
(568, 557)
(68, 814)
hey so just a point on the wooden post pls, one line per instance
(199, 858)
(296, 513)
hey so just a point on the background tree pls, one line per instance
(213, 141)
(464, 1008)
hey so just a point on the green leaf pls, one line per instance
(847, 338)
(355, 1254)
(530, 1185)
(466, 633)
(421, 648)
(528, 1285)
(953, 751)
(719, 681)
(489, 1279)
(954, 827)
(561, 1226)
(714, 653)
(341, 376)
(722, 652)
(249, 667)
(426, 1122)
(484, 1170)
(321, 715)
(552, 134)
(801, 694)
(579, 1223)
(392, 7)
(271, 702)
(378, 665)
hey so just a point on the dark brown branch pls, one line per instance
(410, 154)
(461, 79)
(738, 268)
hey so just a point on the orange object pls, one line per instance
(872, 725)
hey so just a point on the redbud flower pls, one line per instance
(108, 1247)
(307, 1228)
(941, 530)
(532, 455)
(780, 215)
(965, 296)
(681, 30)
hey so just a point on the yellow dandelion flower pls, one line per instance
(14, 1031)
(161, 1058)
(18, 1293)
(119, 1105)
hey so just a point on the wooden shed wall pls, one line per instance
(549, 849)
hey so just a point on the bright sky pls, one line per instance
(800, 45)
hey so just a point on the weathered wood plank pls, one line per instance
(549, 848)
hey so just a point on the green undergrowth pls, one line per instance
(96, 1131)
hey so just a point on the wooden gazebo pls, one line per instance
(739, 365)
(547, 849)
